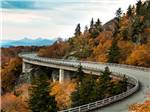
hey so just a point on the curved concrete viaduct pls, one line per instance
(122, 106)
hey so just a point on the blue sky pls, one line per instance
(53, 18)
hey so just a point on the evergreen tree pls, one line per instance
(116, 89)
(40, 100)
(103, 84)
(98, 25)
(118, 13)
(114, 53)
(86, 89)
(92, 23)
(138, 7)
(129, 11)
(125, 34)
(75, 97)
(123, 84)
(84, 93)
(79, 73)
(77, 31)
(95, 33)
(91, 26)
(95, 28)
(106, 75)
(120, 87)
(137, 29)
(86, 29)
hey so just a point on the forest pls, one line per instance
(124, 40)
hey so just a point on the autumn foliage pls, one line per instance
(11, 65)
(62, 92)
(57, 50)
(10, 74)
(100, 51)
(16, 101)
(143, 107)
(140, 56)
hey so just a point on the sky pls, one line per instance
(53, 18)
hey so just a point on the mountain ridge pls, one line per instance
(27, 42)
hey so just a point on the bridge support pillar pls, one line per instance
(61, 75)
(26, 67)
(23, 67)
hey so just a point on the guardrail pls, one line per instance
(106, 101)
(100, 103)
(77, 61)
(121, 65)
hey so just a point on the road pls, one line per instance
(120, 106)
(138, 97)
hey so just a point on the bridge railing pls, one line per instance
(120, 65)
(33, 55)
(106, 101)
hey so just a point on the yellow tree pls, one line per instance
(100, 52)
(62, 92)
(140, 56)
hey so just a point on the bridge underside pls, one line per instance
(55, 74)
(63, 72)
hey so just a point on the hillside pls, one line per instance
(124, 39)
(11, 66)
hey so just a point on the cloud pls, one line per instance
(49, 18)
(21, 16)
(8, 4)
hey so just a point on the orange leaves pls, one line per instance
(22, 91)
(100, 52)
(145, 107)
(140, 56)
(13, 103)
(126, 48)
(55, 51)
(10, 73)
(62, 92)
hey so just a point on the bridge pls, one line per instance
(134, 75)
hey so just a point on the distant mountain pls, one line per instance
(26, 42)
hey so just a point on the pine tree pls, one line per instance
(86, 89)
(106, 75)
(84, 93)
(129, 11)
(137, 29)
(77, 31)
(114, 53)
(75, 97)
(86, 29)
(92, 23)
(79, 73)
(40, 100)
(138, 7)
(118, 13)
(95, 28)
(103, 84)
(98, 25)
(91, 26)
(124, 84)
(125, 34)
